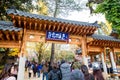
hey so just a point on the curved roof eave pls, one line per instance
(26, 14)
(7, 25)
(103, 37)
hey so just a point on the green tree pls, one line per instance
(24, 5)
(5, 53)
(111, 10)
(105, 28)
(90, 4)
(4, 56)
(41, 7)
(42, 51)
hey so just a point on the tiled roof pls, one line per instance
(26, 14)
(5, 25)
(103, 37)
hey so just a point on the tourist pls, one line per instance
(45, 71)
(55, 73)
(76, 73)
(65, 70)
(97, 71)
(39, 68)
(30, 71)
(34, 67)
(86, 73)
(14, 69)
(6, 74)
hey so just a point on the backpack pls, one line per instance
(55, 75)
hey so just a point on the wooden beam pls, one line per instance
(40, 27)
(116, 49)
(63, 27)
(49, 26)
(77, 30)
(70, 29)
(19, 21)
(74, 29)
(7, 34)
(75, 37)
(19, 35)
(93, 53)
(94, 49)
(45, 25)
(92, 30)
(29, 32)
(1, 35)
(13, 35)
(89, 39)
(84, 30)
(67, 28)
(59, 25)
(36, 25)
(54, 26)
(9, 44)
(81, 30)
(30, 25)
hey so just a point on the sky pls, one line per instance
(84, 15)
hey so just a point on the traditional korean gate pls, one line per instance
(39, 26)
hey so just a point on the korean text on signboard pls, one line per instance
(61, 36)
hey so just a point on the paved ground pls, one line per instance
(32, 78)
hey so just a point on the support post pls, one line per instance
(84, 50)
(113, 62)
(21, 68)
(92, 58)
(22, 58)
(103, 63)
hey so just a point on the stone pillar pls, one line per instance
(22, 59)
(84, 50)
(113, 62)
(21, 68)
(103, 63)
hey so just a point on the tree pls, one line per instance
(41, 7)
(41, 50)
(7, 53)
(105, 28)
(91, 4)
(111, 9)
(4, 52)
(24, 5)
(59, 8)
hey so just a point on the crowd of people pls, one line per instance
(61, 70)
(64, 71)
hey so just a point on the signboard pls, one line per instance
(58, 36)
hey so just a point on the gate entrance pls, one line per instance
(26, 27)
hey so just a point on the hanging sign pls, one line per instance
(58, 36)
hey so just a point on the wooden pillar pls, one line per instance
(104, 55)
(92, 58)
(84, 50)
(22, 58)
